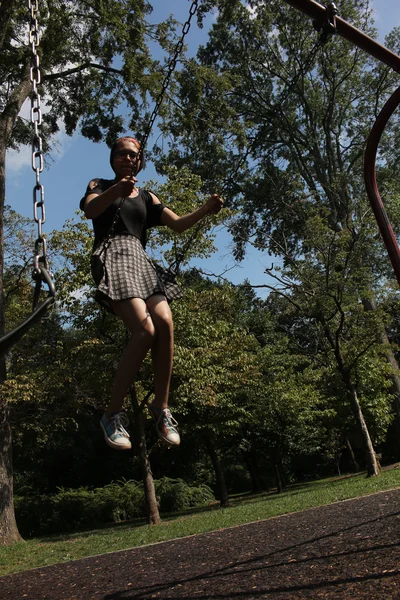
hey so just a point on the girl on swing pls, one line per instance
(132, 287)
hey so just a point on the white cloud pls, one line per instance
(22, 158)
(19, 159)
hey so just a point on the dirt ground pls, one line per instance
(349, 550)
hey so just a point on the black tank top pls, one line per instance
(136, 217)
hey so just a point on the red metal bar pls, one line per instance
(318, 13)
(371, 185)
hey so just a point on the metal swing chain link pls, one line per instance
(37, 143)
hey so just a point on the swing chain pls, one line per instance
(171, 69)
(37, 143)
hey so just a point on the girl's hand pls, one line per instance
(126, 186)
(214, 204)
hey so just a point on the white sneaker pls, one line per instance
(166, 426)
(114, 431)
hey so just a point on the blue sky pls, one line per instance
(77, 161)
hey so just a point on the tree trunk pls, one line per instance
(279, 463)
(278, 480)
(7, 122)
(153, 515)
(353, 459)
(370, 456)
(219, 473)
(254, 471)
(6, 9)
(338, 456)
(278, 469)
(3, 372)
(8, 527)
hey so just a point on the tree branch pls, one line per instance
(79, 69)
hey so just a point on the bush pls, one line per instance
(70, 509)
(174, 495)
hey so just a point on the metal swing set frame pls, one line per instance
(327, 21)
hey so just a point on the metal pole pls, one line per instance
(318, 13)
(381, 217)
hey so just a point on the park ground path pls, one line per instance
(344, 551)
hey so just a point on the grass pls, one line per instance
(41, 552)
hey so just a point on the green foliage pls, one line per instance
(286, 120)
(256, 377)
(281, 129)
(93, 58)
(17, 281)
(216, 361)
(283, 123)
(175, 494)
(73, 509)
(182, 193)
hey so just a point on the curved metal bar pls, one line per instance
(370, 181)
(39, 311)
(42, 275)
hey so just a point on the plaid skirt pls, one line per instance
(128, 272)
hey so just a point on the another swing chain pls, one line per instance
(37, 143)
(171, 69)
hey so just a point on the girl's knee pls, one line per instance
(164, 324)
(146, 330)
(161, 315)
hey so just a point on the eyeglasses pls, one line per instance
(123, 153)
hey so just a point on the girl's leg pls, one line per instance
(162, 350)
(136, 317)
(162, 354)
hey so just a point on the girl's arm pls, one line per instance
(95, 203)
(180, 224)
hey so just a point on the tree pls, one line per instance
(183, 194)
(287, 414)
(333, 326)
(287, 121)
(17, 240)
(79, 49)
(215, 369)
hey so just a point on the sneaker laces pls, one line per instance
(119, 421)
(167, 419)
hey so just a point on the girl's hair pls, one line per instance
(127, 138)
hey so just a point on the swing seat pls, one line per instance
(38, 312)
